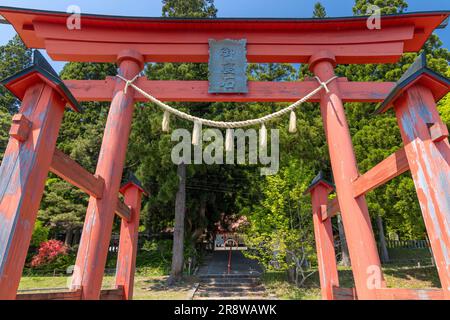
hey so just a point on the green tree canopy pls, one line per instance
(319, 11)
(189, 8)
(14, 56)
(387, 6)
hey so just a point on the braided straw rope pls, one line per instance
(222, 124)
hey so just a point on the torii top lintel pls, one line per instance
(101, 38)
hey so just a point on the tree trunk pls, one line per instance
(292, 270)
(200, 230)
(345, 258)
(76, 237)
(178, 232)
(69, 237)
(383, 248)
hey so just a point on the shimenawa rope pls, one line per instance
(198, 122)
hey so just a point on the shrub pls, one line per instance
(40, 234)
(48, 252)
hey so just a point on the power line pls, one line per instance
(202, 188)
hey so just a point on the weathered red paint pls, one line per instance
(323, 232)
(128, 244)
(63, 50)
(429, 162)
(262, 91)
(123, 211)
(93, 250)
(409, 294)
(386, 170)
(344, 293)
(22, 178)
(101, 38)
(20, 127)
(358, 228)
(332, 209)
(69, 170)
(108, 294)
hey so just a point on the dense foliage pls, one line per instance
(48, 252)
(319, 11)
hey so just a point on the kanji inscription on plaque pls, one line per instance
(227, 66)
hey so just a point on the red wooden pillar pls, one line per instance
(425, 139)
(128, 245)
(93, 250)
(26, 164)
(323, 232)
(429, 162)
(358, 228)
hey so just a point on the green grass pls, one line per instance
(151, 287)
(153, 265)
(145, 288)
(278, 286)
(413, 277)
(27, 283)
(61, 282)
(409, 254)
(155, 288)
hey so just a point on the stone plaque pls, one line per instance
(227, 66)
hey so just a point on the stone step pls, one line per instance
(233, 298)
(231, 281)
(230, 284)
(237, 275)
(230, 290)
(230, 295)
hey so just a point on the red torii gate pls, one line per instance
(130, 42)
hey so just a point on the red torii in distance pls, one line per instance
(130, 42)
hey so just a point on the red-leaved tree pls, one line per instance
(49, 251)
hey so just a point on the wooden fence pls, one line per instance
(408, 244)
(115, 238)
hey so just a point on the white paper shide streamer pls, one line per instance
(197, 133)
(292, 122)
(166, 121)
(263, 136)
(229, 140)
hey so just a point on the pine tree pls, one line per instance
(362, 7)
(319, 11)
(14, 56)
(189, 8)
(5, 124)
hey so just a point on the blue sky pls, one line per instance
(226, 8)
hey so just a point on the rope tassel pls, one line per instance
(263, 136)
(229, 143)
(293, 122)
(166, 122)
(197, 133)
